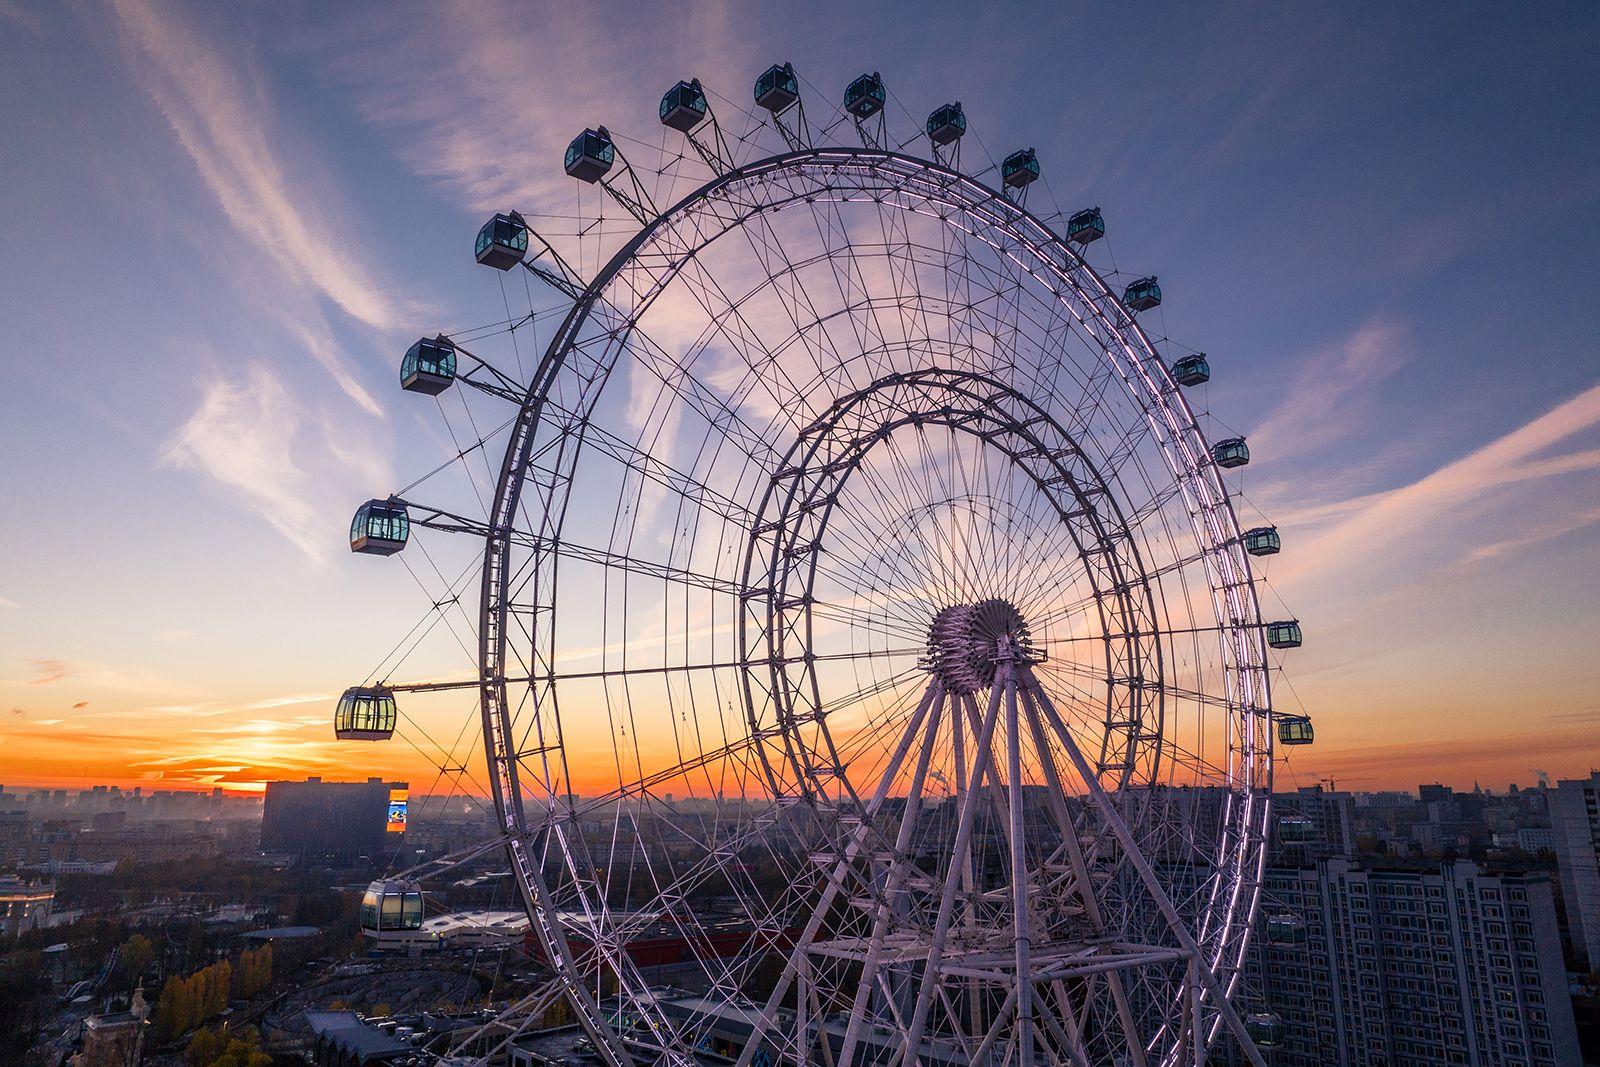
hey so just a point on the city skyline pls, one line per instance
(279, 207)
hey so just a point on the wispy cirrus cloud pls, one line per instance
(440, 83)
(1376, 521)
(224, 118)
(1538, 534)
(241, 438)
(18, 15)
(47, 671)
(1331, 381)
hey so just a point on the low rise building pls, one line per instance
(24, 905)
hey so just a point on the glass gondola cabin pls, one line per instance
(1286, 929)
(380, 528)
(684, 106)
(1296, 830)
(1086, 227)
(1192, 370)
(1020, 169)
(1231, 452)
(1142, 295)
(1295, 730)
(778, 88)
(947, 124)
(1264, 1028)
(365, 713)
(1262, 541)
(502, 242)
(1284, 634)
(590, 155)
(391, 909)
(429, 366)
(864, 97)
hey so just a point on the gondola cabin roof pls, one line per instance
(365, 713)
(777, 88)
(380, 528)
(590, 155)
(865, 97)
(502, 241)
(429, 366)
(947, 124)
(1020, 169)
(684, 106)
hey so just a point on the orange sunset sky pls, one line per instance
(223, 229)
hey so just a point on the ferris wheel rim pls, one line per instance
(504, 773)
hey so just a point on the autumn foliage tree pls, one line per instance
(187, 1002)
(252, 972)
(220, 1048)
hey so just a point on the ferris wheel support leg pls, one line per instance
(802, 1024)
(1197, 1020)
(835, 883)
(958, 752)
(947, 897)
(897, 872)
(1056, 791)
(1020, 920)
(1034, 692)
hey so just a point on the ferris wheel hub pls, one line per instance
(967, 642)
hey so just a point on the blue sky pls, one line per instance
(224, 223)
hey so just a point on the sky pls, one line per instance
(224, 223)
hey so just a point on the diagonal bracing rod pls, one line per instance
(1034, 693)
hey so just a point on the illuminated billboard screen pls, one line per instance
(397, 811)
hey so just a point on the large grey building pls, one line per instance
(1575, 818)
(1371, 967)
(314, 818)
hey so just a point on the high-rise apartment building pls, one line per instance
(1575, 820)
(1312, 824)
(1372, 967)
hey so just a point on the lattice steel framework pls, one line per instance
(857, 556)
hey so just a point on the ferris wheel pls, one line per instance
(868, 665)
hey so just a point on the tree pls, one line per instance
(205, 1047)
(137, 952)
(174, 1008)
(243, 1051)
(220, 983)
(252, 973)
